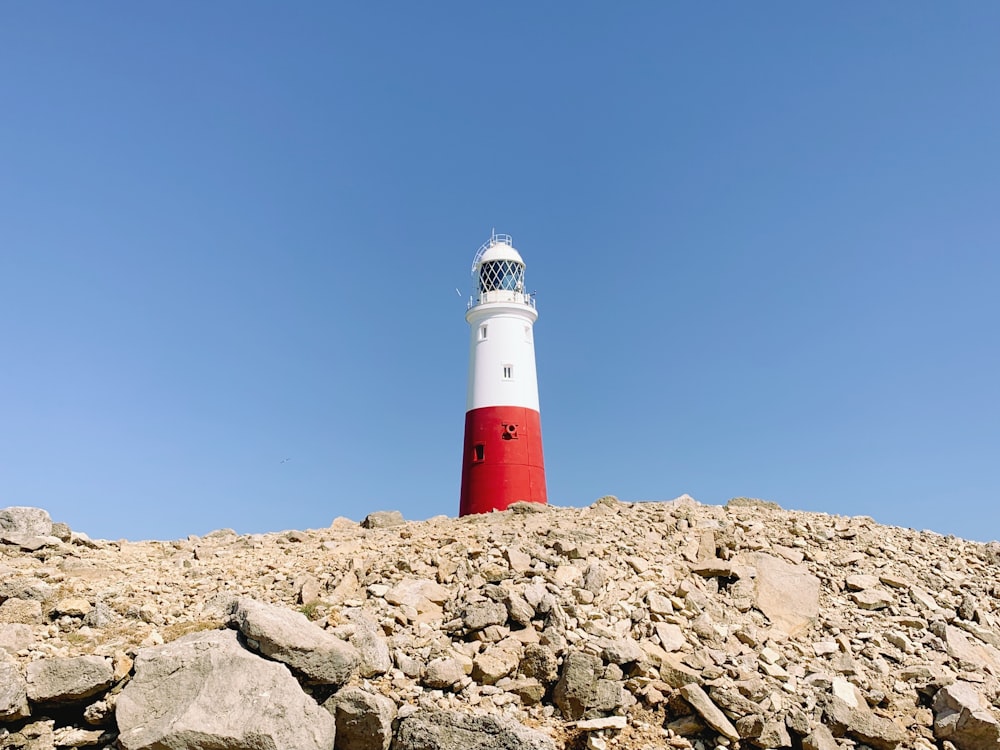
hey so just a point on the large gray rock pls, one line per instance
(787, 594)
(962, 716)
(204, 690)
(13, 693)
(68, 680)
(483, 614)
(382, 519)
(373, 648)
(576, 690)
(289, 637)
(364, 720)
(452, 730)
(26, 521)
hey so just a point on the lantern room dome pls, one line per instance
(500, 250)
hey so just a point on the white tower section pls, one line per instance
(501, 316)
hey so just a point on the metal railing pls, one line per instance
(526, 298)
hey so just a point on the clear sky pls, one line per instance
(765, 241)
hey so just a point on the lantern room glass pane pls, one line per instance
(507, 275)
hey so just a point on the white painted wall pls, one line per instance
(509, 342)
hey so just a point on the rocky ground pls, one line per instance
(620, 625)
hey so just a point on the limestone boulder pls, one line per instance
(454, 730)
(963, 717)
(205, 690)
(483, 614)
(15, 636)
(57, 680)
(373, 649)
(25, 521)
(786, 593)
(383, 519)
(364, 720)
(289, 637)
(576, 690)
(13, 693)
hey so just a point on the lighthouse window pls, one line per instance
(508, 372)
(479, 452)
(482, 333)
(507, 275)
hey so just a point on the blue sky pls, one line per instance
(765, 242)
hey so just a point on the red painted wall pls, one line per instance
(512, 468)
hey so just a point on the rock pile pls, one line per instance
(626, 625)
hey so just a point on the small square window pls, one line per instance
(508, 372)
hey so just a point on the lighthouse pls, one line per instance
(502, 461)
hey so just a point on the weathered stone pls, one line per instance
(971, 652)
(73, 607)
(66, 680)
(518, 609)
(607, 722)
(675, 673)
(26, 588)
(205, 691)
(364, 720)
(733, 704)
(576, 690)
(873, 599)
(860, 582)
(528, 689)
(24, 611)
(671, 636)
(494, 664)
(15, 637)
(518, 560)
(659, 604)
(309, 590)
(13, 693)
(25, 520)
(373, 648)
(622, 651)
(846, 711)
(963, 716)
(423, 595)
(773, 735)
(383, 519)
(539, 663)
(442, 673)
(713, 568)
(483, 614)
(820, 738)
(288, 637)
(708, 711)
(787, 594)
(452, 730)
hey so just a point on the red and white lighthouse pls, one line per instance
(502, 462)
